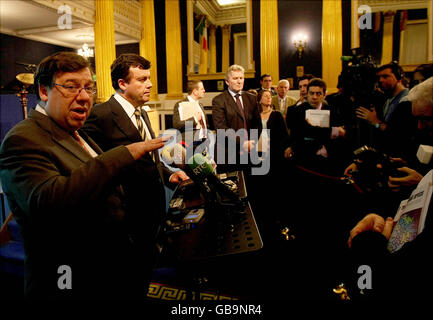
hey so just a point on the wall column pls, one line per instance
(148, 43)
(173, 45)
(212, 48)
(226, 47)
(105, 47)
(332, 43)
(354, 28)
(430, 31)
(388, 23)
(269, 43)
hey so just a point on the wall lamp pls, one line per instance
(300, 42)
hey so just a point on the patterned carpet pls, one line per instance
(165, 292)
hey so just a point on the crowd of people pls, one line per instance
(86, 183)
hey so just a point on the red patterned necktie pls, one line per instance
(76, 137)
(241, 109)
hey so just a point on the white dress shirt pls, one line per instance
(91, 151)
(130, 109)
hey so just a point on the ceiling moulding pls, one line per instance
(385, 5)
(219, 16)
(82, 10)
(127, 18)
(127, 13)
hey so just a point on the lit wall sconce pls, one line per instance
(300, 42)
(85, 51)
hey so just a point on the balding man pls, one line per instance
(282, 101)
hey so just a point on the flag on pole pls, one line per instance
(202, 30)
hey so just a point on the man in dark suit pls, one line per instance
(121, 121)
(234, 109)
(266, 84)
(195, 91)
(312, 143)
(64, 192)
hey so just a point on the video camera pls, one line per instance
(358, 77)
(374, 169)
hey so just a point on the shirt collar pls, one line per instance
(41, 110)
(126, 105)
(234, 93)
(191, 99)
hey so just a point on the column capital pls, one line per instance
(389, 15)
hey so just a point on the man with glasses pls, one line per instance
(65, 193)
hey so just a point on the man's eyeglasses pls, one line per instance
(76, 89)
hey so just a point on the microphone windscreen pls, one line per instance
(200, 165)
(178, 154)
(166, 156)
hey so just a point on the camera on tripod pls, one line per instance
(374, 169)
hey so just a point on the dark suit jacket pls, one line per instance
(279, 139)
(306, 140)
(179, 124)
(226, 115)
(109, 126)
(69, 210)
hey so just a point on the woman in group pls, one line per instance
(275, 140)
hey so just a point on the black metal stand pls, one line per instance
(225, 230)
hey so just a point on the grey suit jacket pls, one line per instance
(69, 209)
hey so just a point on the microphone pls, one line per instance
(174, 154)
(202, 168)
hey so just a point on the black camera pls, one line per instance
(358, 77)
(374, 169)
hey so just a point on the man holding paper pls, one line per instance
(313, 125)
(190, 109)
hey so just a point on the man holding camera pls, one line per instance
(404, 273)
(394, 124)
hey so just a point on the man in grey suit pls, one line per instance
(195, 91)
(65, 194)
(282, 101)
(234, 109)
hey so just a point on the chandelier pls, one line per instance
(85, 51)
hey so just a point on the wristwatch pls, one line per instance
(377, 125)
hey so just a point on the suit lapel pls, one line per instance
(92, 144)
(147, 121)
(123, 122)
(231, 102)
(60, 136)
(247, 106)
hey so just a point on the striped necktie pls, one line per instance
(140, 126)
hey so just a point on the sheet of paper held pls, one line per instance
(318, 118)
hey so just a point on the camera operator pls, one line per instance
(406, 146)
(393, 123)
(358, 88)
(406, 272)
